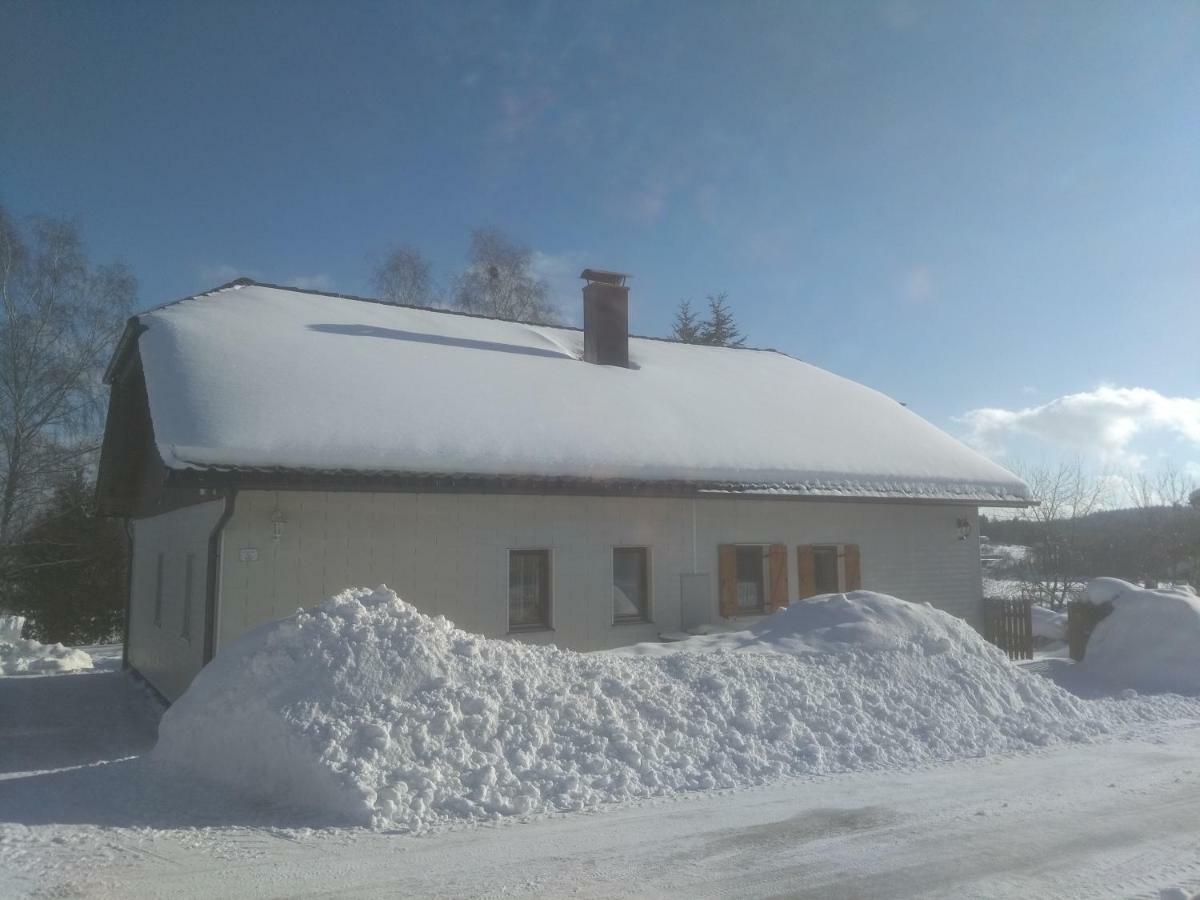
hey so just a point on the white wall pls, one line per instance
(448, 553)
(160, 652)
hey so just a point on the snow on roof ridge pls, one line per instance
(243, 281)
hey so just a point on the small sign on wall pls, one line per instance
(248, 554)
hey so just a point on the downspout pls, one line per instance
(212, 582)
(128, 592)
(695, 561)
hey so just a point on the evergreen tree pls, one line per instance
(687, 326)
(67, 573)
(720, 329)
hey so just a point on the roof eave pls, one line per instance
(352, 480)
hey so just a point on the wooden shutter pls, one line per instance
(727, 580)
(777, 597)
(806, 567)
(852, 563)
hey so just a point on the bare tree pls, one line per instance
(500, 281)
(1165, 536)
(59, 319)
(404, 277)
(1067, 493)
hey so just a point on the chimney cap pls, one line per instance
(604, 277)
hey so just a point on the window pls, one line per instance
(828, 568)
(750, 582)
(158, 588)
(825, 570)
(185, 629)
(631, 585)
(528, 590)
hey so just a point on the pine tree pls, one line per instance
(687, 326)
(67, 574)
(720, 329)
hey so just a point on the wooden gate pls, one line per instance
(1082, 618)
(1008, 623)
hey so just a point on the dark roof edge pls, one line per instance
(345, 480)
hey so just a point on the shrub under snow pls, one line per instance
(1151, 640)
(368, 711)
(22, 656)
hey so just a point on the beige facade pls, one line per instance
(448, 554)
(166, 606)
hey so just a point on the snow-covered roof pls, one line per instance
(253, 376)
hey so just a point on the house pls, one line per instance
(269, 446)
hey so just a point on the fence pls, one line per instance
(1008, 623)
(1081, 619)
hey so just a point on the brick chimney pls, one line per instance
(605, 318)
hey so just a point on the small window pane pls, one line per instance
(630, 585)
(751, 588)
(825, 570)
(528, 589)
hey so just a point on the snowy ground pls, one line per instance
(81, 814)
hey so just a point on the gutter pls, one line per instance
(211, 584)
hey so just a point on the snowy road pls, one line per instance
(1119, 819)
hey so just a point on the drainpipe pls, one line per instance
(695, 569)
(128, 592)
(212, 586)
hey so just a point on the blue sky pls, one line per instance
(967, 205)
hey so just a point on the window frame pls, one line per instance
(646, 616)
(839, 567)
(764, 578)
(547, 623)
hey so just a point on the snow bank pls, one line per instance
(1048, 624)
(19, 656)
(1151, 640)
(366, 710)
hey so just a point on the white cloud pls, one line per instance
(318, 282)
(1104, 422)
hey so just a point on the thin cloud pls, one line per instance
(222, 273)
(318, 282)
(1105, 422)
(919, 285)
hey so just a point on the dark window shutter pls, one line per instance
(727, 579)
(806, 567)
(852, 562)
(778, 591)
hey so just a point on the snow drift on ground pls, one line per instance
(20, 656)
(1048, 624)
(1151, 640)
(368, 711)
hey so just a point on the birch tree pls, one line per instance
(404, 277)
(59, 320)
(500, 281)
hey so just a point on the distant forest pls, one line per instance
(1141, 544)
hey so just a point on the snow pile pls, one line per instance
(20, 656)
(369, 711)
(1151, 640)
(1048, 624)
